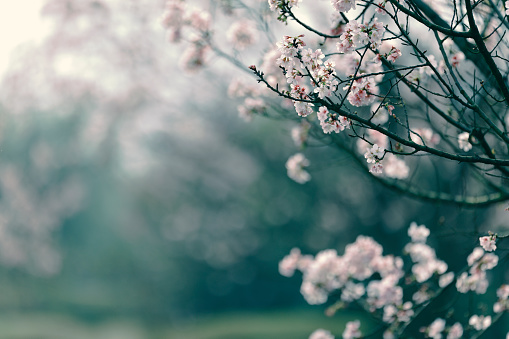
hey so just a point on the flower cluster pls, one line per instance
(362, 91)
(175, 19)
(374, 156)
(393, 54)
(331, 123)
(321, 334)
(352, 330)
(366, 276)
(480, 322)
(425, 136)
(343, 5)
(463, 141)
(437, 328)
(358, 35)
(242, 34)
(423, 256)
(502, 303)
(253, 102)
(299, 63)
(488, 243)
(281, 7)
(295, 168)
(475, 279)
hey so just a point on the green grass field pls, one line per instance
(268, 325)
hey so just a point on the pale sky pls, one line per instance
(19, 22)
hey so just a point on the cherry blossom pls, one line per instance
(295, 167)
(488, 243)
(463, 141)
(480, 322)
(321, 334)
(352, 330)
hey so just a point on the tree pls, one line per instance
(416, 92)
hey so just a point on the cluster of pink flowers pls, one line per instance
(362, 91)
(279, 4)
(331, 123)
(295, 168)
(343, 5)
(423, 256)
(352, 330)
(393, 54)
(480, 322)
(438, 327)
(502, 303)
(300, 133)
(253, 103)
(321, 334)
(389, 164)
(374, 156)
(299, 63)
(328, 272)
(488, 243)
(463, 141)
(358, 35)
(242, 34)
(175, 18)
(475, 279)
(394, 167)
(425, 136)
(363, 273)
(380, 113)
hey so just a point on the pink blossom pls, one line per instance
(446, 279)
(288, 265)
(436, 328)
(343, 5)
(418, 233)
(463, 141)
(393, 54)
(242, 34)
(374, 154)
(321, 334)
(395, 168)
(457, 58)
(455, 332)
(295, 168)
(352, 330)
(425, 136)
(480, 322)
(488, 243)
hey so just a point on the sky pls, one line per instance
(19, 22)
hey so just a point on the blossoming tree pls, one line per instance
(407, 88)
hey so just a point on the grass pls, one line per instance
(240, 325)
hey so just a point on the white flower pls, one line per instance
(488, 243)
(295, 168)
(446, 279)
(436, 328)
(476, 254)
(321, 334)
(395, 168)
(418, 233)
(352, 330)
(242, 34)
(463, 141)
(455, 332)
(480, 322)
(289, 263)
(374, 154)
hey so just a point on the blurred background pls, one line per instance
(134, 203)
